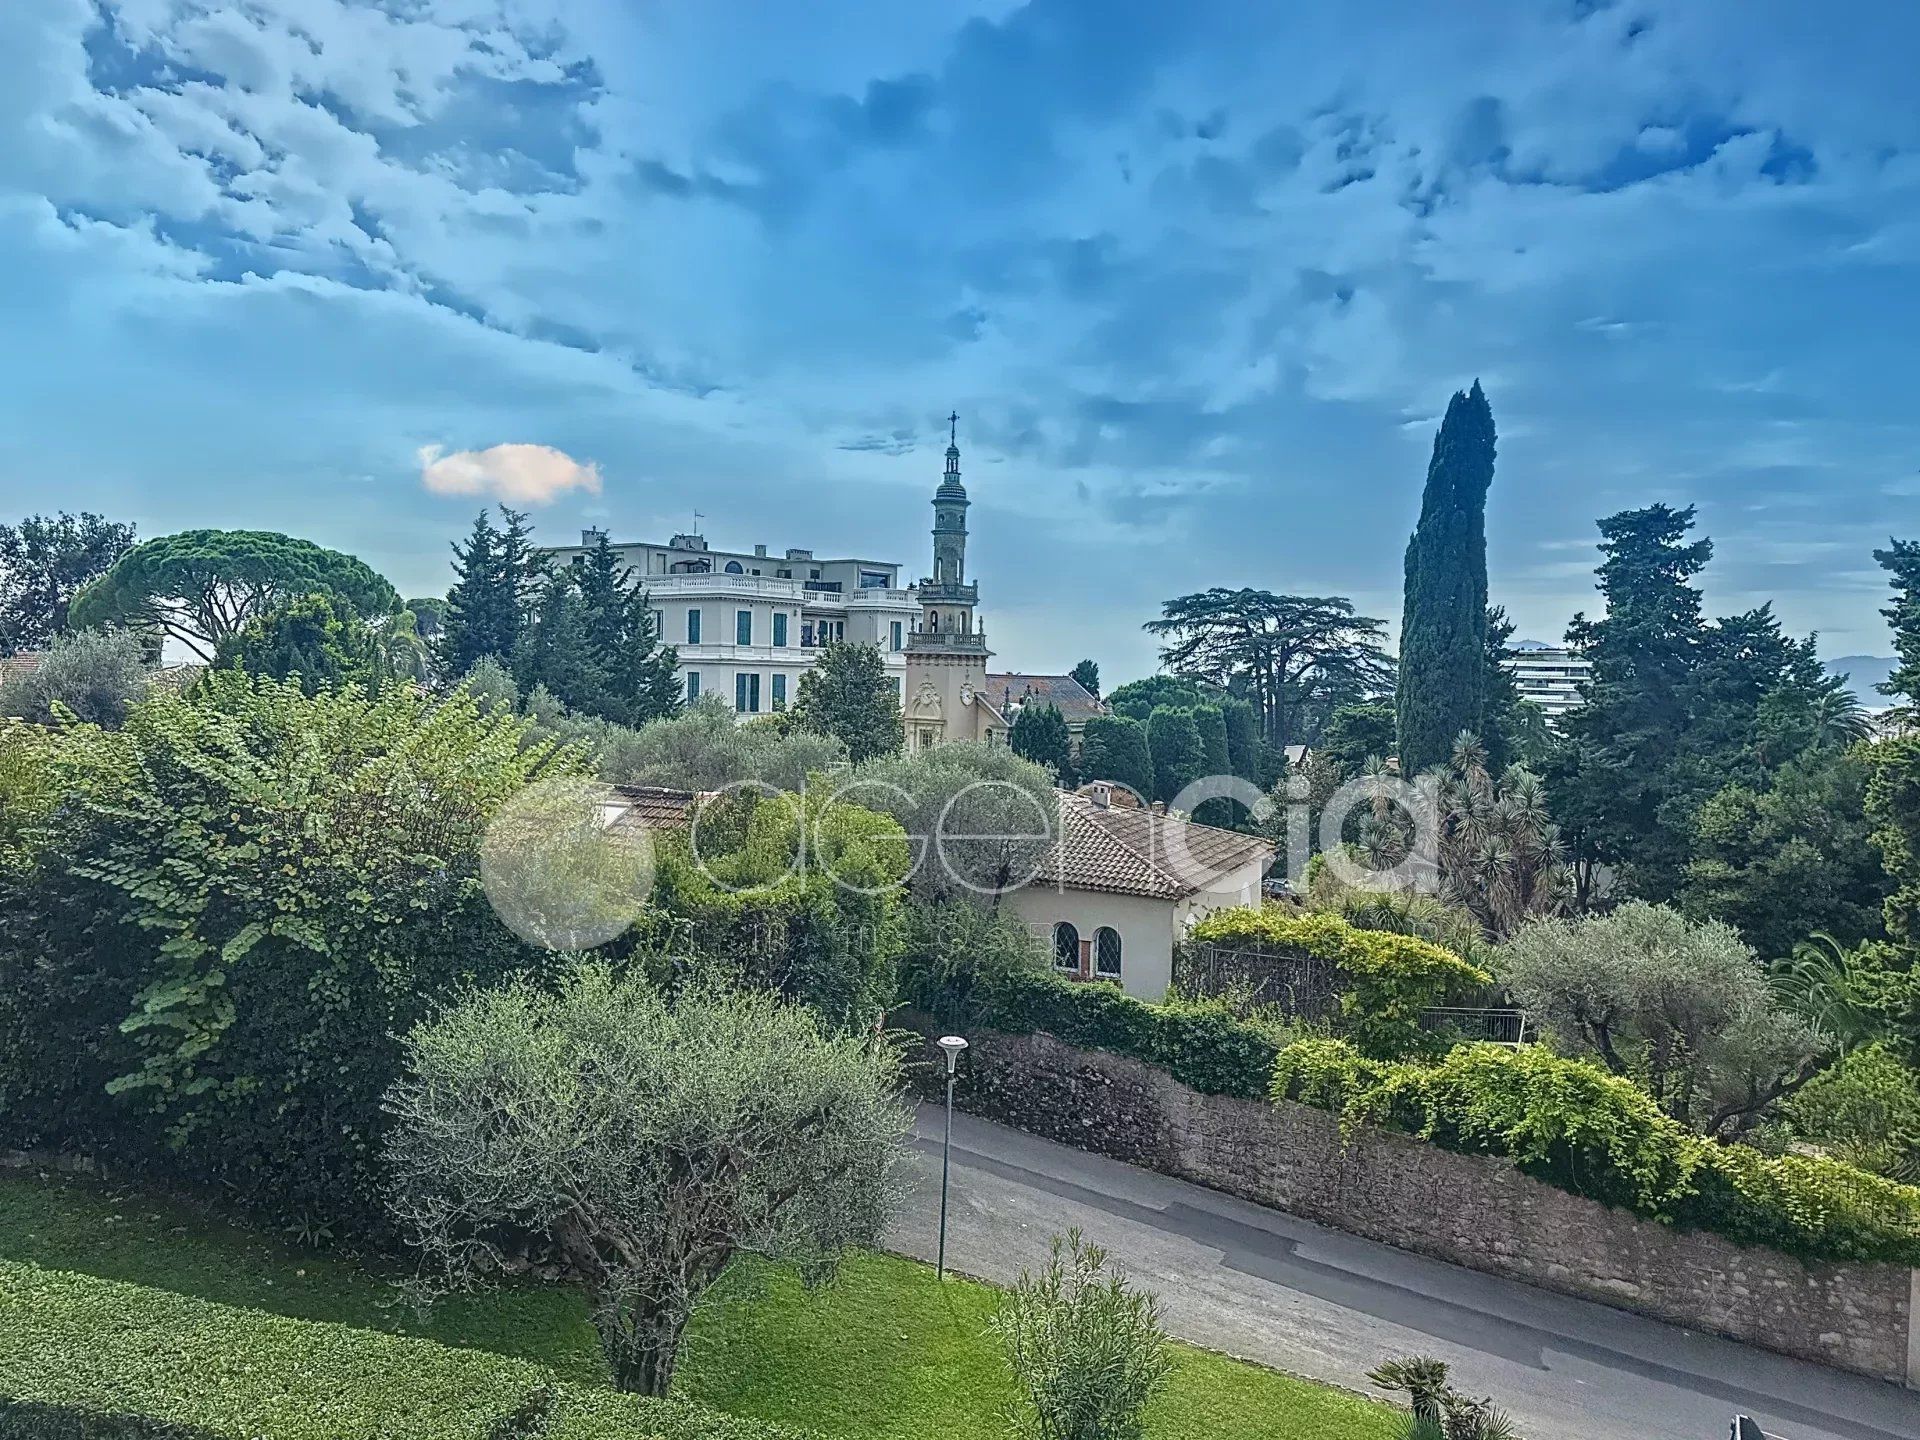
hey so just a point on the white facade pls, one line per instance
(1146, 927)
(1550, 677)
(747, 624)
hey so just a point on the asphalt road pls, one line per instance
(1260, 1284)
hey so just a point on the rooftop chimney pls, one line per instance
(591, 538)
(759, 552)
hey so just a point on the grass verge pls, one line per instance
(126, 1311)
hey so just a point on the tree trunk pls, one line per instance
(644, 1364)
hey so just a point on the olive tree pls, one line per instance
(94, 674)
(642, 1141)
(1681, 1008)
(980, 818)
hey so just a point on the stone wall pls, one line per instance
(1470, 1210)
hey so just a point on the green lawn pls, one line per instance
(886, 1351)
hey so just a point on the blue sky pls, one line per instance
(1199, 279)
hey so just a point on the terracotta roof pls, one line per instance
(24, 662)
(178, 677)
(1066, 694)
(646, 807)
(1126, 851)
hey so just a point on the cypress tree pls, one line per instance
(1179, 752)
(1114, 748)
(1040, 734)
(1443, 630)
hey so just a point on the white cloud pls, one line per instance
(517, 474)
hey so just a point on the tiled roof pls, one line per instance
(1063, 692)
(647, 807)
(178, 677)
(1127, 851)
(23, 663)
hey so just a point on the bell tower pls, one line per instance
(947, 652)
(950, 515)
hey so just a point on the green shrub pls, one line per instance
(89, 1359)
(1865, 1111)
(1198, 1045)
(243, 898)
(1571, 1124)
(1388, 979)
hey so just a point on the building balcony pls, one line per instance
(930, 593)
(951, 641)
(769, 587)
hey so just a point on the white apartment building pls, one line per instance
(1550, 677)
(748, 624)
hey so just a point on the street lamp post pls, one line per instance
(950, 1046)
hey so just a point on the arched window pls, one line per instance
(1106, 953)
(1066, 947)
(733, 568)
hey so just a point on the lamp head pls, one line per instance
(951, 1046)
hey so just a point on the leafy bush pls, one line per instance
(1199, 1045)
(244, 895)
(1570, 1123)
(1425, 917)
(89, 1359)
(1085, 1349)
(1388, 979)
(1866, 1110)
(319, 641)
(953, 951)
(795, 892)
(94, 674)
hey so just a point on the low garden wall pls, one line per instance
(1471, 1210)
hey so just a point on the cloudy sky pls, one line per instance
(1198, 279)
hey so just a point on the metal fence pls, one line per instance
(1305, 987)
(1503, 1026)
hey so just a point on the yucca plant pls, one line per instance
(1438, 1411)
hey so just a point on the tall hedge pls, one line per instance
(242, 898)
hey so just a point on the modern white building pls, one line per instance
(1549, 676)
(747, 624)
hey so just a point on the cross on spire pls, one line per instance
(953, 428)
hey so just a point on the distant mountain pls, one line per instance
(1864, 673)
(1530, 645)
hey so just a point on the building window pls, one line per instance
(693, 685)
(743, 627)
(1066, 947)
(897, 632)
(746, 694)
(1106, 953)
(693, 626)
(874, 579)
(779, 690)
(659, 618)
(814, 573)
(734, 567)
(779, 627)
